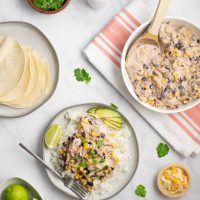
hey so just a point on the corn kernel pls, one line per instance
(86, 146)
(90, 161)
(193, 68)
(89, 179)
(175, 180)
(164, 81)
(77, 176)
(113, 134)
(198, 94)
(112, 154)
(115, 145)
(145, 74)
(117, 160)
(174, 170)
(151, 102)
(176, 94)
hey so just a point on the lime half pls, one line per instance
(53, 136)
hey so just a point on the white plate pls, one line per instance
(31, 36)
(132, 165)
(31, 190)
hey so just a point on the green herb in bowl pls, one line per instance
(49, 5)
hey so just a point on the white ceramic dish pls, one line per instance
(60, 119)
(138, 32)
(32, 191)
(29, 35)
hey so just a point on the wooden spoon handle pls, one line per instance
(158, 17)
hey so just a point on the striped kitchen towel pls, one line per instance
(181, 130)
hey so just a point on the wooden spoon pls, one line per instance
(151, 35)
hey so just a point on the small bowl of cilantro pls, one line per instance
(48, 6)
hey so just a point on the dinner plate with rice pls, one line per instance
(95, 145)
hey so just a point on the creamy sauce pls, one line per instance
(169, 77)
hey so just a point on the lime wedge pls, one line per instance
(53, 136)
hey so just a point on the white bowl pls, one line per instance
(138, 32)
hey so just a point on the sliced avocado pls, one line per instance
(119, 125)
(111, 125)
(92, 110)
(115, 119)
(106, 112)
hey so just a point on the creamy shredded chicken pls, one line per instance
(167, 77)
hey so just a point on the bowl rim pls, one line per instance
(126, 80)
(34, 7)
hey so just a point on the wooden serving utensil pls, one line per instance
(151, 35)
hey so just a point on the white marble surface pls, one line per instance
(70, 31)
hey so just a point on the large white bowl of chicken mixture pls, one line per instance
(165, 79)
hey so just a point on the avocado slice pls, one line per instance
(118, 120)
(114, 123)
(111, 125)
(106, 113)
(92, 110)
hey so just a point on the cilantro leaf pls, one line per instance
(100, 143)
(82, 75)
(94, 161)
(83, 163)
(49, 4)
(92, 153)
(162, 150)
(113, 106)
(140, 191)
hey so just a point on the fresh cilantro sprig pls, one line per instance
(140, 191)
(113, 106)
(162, 150)
(49, 4)
(82, 75)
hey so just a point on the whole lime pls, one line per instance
(15, 192)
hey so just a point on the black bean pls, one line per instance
(184, 78)
(144, 79)
(151, 86)
(168, 45)
(145, 66)
(167, 67)
(182, 90)
(173, 91)
(198, 41)
(90, 184)
(154, 64)
(179, 45)
(166, 89)
(154, 73)
(168, 80)
(162, 94)
(83, 134)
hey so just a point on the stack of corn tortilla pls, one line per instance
(24, 74)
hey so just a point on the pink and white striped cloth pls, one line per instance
(181, 130)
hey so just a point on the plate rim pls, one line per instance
(58, 68)
(97, 104)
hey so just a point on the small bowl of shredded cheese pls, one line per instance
(174, 180)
